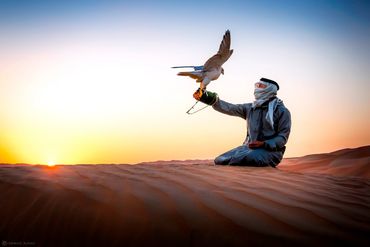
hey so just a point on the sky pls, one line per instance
(90, 81)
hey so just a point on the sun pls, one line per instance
(51, 163)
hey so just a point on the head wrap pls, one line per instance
(270, 81)
(265, 94)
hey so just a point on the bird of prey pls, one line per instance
(212, 69)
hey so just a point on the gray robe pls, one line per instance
(259, 129)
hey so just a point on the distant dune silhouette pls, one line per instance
(315, 200)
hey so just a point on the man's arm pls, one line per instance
(283, 130)
(238, 110)
(210, 98)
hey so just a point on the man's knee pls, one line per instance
(225, 158)
(244, 161)
(252, 158)
(222, 160)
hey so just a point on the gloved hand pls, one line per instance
(256, 144)
(206, 97)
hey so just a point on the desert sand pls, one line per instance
(315, 200)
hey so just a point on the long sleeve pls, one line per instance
(238, 110)
(283, 131)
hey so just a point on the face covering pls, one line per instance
(264, 94)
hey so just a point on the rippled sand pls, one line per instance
(188, 203)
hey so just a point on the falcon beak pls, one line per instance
(222, 71)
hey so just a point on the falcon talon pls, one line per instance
(200, 93)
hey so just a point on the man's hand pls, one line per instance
(198, 94)
(204, 96)
(256, 144)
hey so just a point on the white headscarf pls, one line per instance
(264, 94)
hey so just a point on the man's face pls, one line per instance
(260, 85)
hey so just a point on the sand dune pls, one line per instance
(345, 162)
(189, 203)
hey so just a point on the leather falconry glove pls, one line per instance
(205, 97)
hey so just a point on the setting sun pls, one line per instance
(51, 163)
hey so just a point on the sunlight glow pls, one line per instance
(51, 163)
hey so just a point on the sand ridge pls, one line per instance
(183, 204)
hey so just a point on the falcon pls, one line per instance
(212, 69)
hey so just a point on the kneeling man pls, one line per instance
(268, 126)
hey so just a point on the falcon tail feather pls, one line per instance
(185, 74)
(188, 66)
(193, 74)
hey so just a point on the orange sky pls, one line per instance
(95, 85)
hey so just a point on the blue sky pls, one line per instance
(345, 22)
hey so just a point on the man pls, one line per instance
(268, 126)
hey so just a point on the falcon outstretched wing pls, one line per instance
(222, 55)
